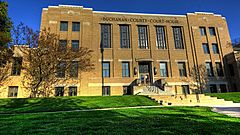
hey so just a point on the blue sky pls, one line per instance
(29, 11)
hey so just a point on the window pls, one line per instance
(215, 48)
(125, 69)
(74, 69)
(127, 90)
(163, 69)
(62, 45)
(213, 88)
(124, 36)
(209, 69)
(61, 67)
(16, 66)
(205, 48)
(59, 91)
(142, 37)
(223, 88)
(182, 69)
(203, 31)
(161, 41)
(105, 36)
(12, 91)
(219, 69)
(106, 90)
(185, 89)
(231, 69)
(63, 26)
(178, 40)
(106, 69)
(76, 26)
(73, 91)
(212, 31)
(75, 45)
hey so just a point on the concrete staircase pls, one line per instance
(192, 100)
(149, 90)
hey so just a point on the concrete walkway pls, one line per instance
(231, 111)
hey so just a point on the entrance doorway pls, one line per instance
(145, 72)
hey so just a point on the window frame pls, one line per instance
(13, 91)
(210, 72)
(76, 28)
(106, 31)
(215, 48)
(182, 72)
(59, 93)
(178, 37)
(206, 49)
(106, 72)
(72, 93)
(203, 31)
(125, 36)
(164, 70)
(62, 27)
(72, 45)
(106, 91)
(161, 37)
(125, 69)
(219, 69)
(212, 31)
(143, 37)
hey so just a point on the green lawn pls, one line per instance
(24, 105)
(231, 96)
(164, 120)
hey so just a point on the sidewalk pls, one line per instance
(231, 111)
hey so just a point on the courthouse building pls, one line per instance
(134, 51)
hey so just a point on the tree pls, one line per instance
(45, 58)
(5, 38)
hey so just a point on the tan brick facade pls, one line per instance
(192, 53)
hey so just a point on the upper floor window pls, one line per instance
(63, 26)
(142, 37)
(12, 91)
(125, 69)
(105, 36)
(74, 69)
(209, 69)
(215, 48)
(163, 69)
(202, 31)
(124, 36)
(205, 48)
(62, 45)
(219, 68)
(16, 66)
(178, 38)
(212, 31)
(75, 45)
(61, 67)
(161, 40)
(75, 26)
(106, 69)
(182, 69)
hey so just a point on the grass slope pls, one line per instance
(231, 96)
(70, 103)
(165, 120)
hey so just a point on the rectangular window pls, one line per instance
(61, 67)
(182, 69)
(12, 91)
(215, 48)
(62, 45)
(73, 91)
(105, 36)
(127, 90)
(212, 31)
(75, 45)
(219, 68)
(223, 88)
(203, 31)
(231, 69)
(75, 26)
(205, 48)
(63, 26)
(161, 40)
(125, 69)
(213, 88)
(74, 69)
(106, 90)
(178, 38)
(16, 66)
(124, 36)
(185, 89)
(106, 69)
(209, 69)
(163, 69)
(142, 37)
(59, 91)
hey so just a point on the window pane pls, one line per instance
(177, 34)
(106, 90)
(219, 68)
(74, 69)
(215, 48)
(212, 31)
(203, 31)
(124, 36)
(61, 67)
(73, 91)
(76, 26)
(106, 35)
(125, 69)
(142, 37)
(75, 45)
(16, 66)
(59, 91)
(209, 69)
(106, 69)
(205, 48)
(161, 41)
(63, 26)
(182, 69)
(163, 69)
(12, 91)
(213, 88)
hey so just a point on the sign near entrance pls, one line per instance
(141, 20)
